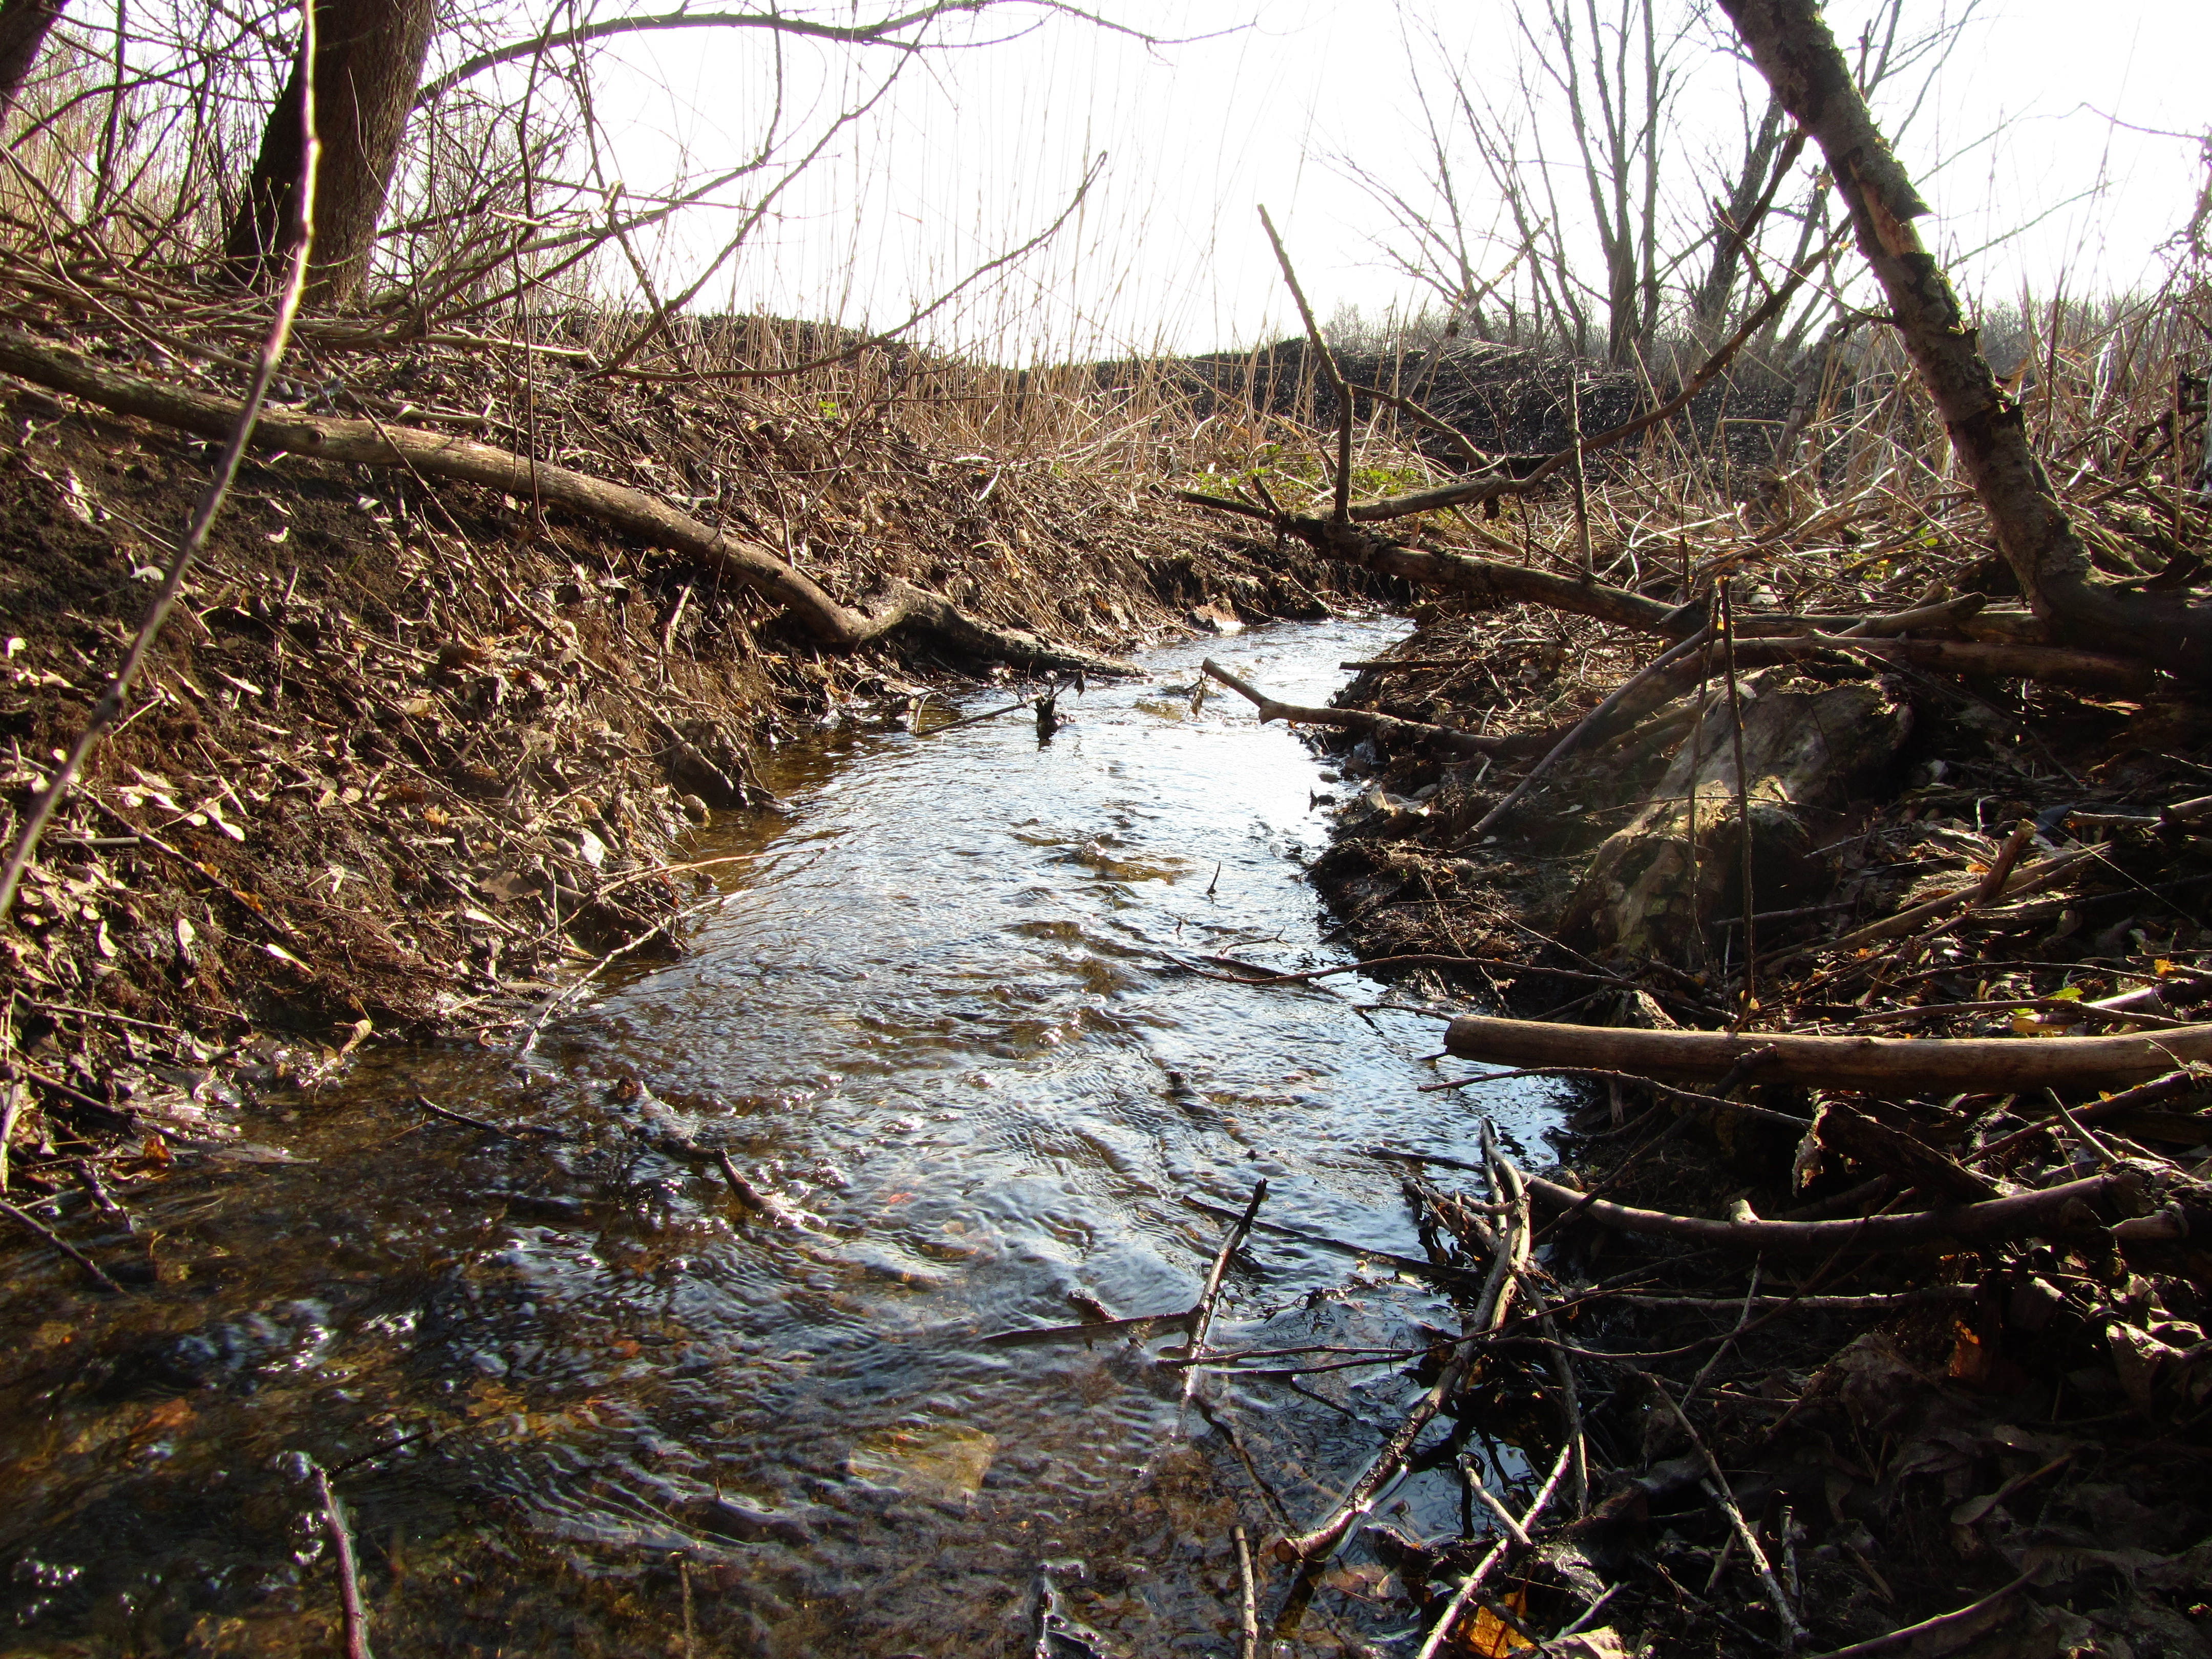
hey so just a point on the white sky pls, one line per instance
(974, 151)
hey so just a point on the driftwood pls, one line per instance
(829, 623)
(1980, 1064)
(2020, 1216)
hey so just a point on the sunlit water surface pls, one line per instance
(578, 1399)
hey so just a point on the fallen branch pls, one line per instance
(1837, 1062)
(652, 521)
(1386, 727)
(2021, 1215)
(1473, 1583)
(2090, 670)
(584, 980)
(1412, 1264)
(1508, 1258)
(1248, 1624)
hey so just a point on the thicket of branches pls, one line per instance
(467, 174)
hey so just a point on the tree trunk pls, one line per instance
(368, 62)
(1708, 307)
(1791, 44)
(23, 26)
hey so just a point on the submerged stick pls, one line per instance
(357, 1616)
(1202, 1314)
(63, 1246)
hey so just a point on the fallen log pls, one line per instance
(830, 624)
(1982, 1064)
(2020, 1216)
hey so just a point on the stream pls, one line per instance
(578, 1399)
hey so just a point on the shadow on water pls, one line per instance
(578, 1399)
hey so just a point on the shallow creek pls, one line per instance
(579, 1399)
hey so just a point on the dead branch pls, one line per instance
(1473, 1583)
(2020, 1216)
(1342, 512)
(1838, 1062)
(2093, 671)
(1941, 1621)
(1384, 726)
(1716, 1484)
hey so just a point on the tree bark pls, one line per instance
(1793, 50)
(368, 62)
(23, 26)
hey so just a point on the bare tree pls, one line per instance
(1564, 205)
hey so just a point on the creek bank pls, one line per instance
(414, 753)
(1930, 857)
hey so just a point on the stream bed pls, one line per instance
(579, 1398)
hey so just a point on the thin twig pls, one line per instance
(576, 986)
(1793, 1631)
(1473, 1583)
(357, 1616)
(63, 1246)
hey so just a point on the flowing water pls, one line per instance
(577, 1398)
